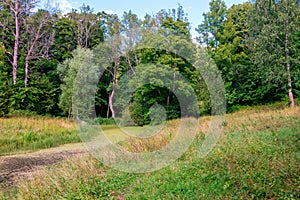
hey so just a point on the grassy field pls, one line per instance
(19, 134)
(26, 134)
(257, 158)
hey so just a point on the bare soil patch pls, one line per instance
(13, 168)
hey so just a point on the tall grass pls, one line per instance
(257, 158)
(250, 120)
(262, 119)
(32, 133)
(246, 166)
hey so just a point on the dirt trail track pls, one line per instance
(14, 167)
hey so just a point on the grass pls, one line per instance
(257, 158)
(19, 134)
(244, 167)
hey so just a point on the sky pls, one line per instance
(194, 8)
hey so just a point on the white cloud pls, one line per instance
(111, 12)
(63, 5)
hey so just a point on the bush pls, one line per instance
(37, 97)
(5, 94)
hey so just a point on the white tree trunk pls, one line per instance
(288, 65)
(111, 96)
(17, 41)
(26, 73)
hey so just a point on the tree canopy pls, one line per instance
(254, 45)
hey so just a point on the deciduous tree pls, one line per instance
(38, 38)
(18, 10)
(272, 25)
(213, 22)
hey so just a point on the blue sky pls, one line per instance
(194, 8)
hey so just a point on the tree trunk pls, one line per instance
(168, 98)
(26, 73)
(107, 112)
(291, 97)
(69, 113)
(288, 66)
(111, 96)
(17, 41)
(129, 63)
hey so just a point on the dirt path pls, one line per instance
(14, 167)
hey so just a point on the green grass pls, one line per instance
(257, 158)
(261, 165)
(19, 134)
(23, 134)
(249, 166)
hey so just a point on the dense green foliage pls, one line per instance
(255, 45)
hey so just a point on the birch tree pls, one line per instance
(18, 10)
(38, 39)
(88, 27)
(273, 43)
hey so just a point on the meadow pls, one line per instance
(24, 134)
(257, 157)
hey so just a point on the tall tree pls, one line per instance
(297, 71)
(162, 43)
(18, 9)
(114, 46)
(88, 27)
(272, 25)
(131, 30)
(5, 90)
(38, 38)
(65, 38)
(213, 22)
(232, 57)
(68, 71)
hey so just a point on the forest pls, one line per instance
(255, 46)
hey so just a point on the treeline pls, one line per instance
(254, 45)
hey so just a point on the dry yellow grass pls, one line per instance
(252, 120)
(262, 120)
(53, 179)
